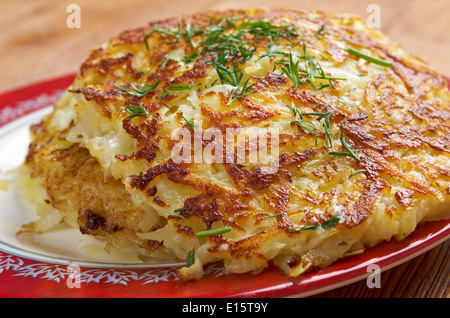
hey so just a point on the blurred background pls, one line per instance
(36, 43)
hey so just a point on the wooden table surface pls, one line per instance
(36, 44)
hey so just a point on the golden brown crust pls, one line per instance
(395, 120)
(72, 177)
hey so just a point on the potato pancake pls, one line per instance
(248, 136)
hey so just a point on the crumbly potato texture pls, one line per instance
(360, 130)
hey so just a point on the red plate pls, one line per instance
(24, 274)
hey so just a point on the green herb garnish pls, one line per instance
(187, 30)
(190, 123)
(329, 136)
(303, 123)
(331, 222)
(356, 172)
(281, 270)
(214, 232)
(310, 127)
(135, 111)
(320, 33)
(310, 71)
(137, 90)
(177, 216)
(182, 87)
(328, 224)
(344, 143)
(295, 110)
(229, 44)
(272, 216)
(340, 100)
(192, 57)
(230, 49)
(241, 91)
(306, 125)
(163, 95)
(190, 259)
(175, 33)
(291, 71)
(369, 58)
(273, 53)
(270, 31)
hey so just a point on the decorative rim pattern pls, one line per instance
(61, 273)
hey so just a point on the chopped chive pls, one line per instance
(321, 115)
(324, 107)
(272, 216)
(309, 72)
(166, 59)
(190, 123)
(273, 53)
(329, 136)
(309, 126)
(168, 32)
(177, 216)
(240, 92)
(228, 48)
(306, 125)
(331, 78)
(356, 172)
(304, 228)
(214, 232)
(344, 143)
(163, 95)
(328, 224)
(369, 58)
(340, 100)
(291, 71)
(331, 222)
(137, 90)
(281, 270)
(187, 28)
(190, 258)
(182, 87)
(190, 58)
(295, 111)
(319, 34)
(135, 111)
